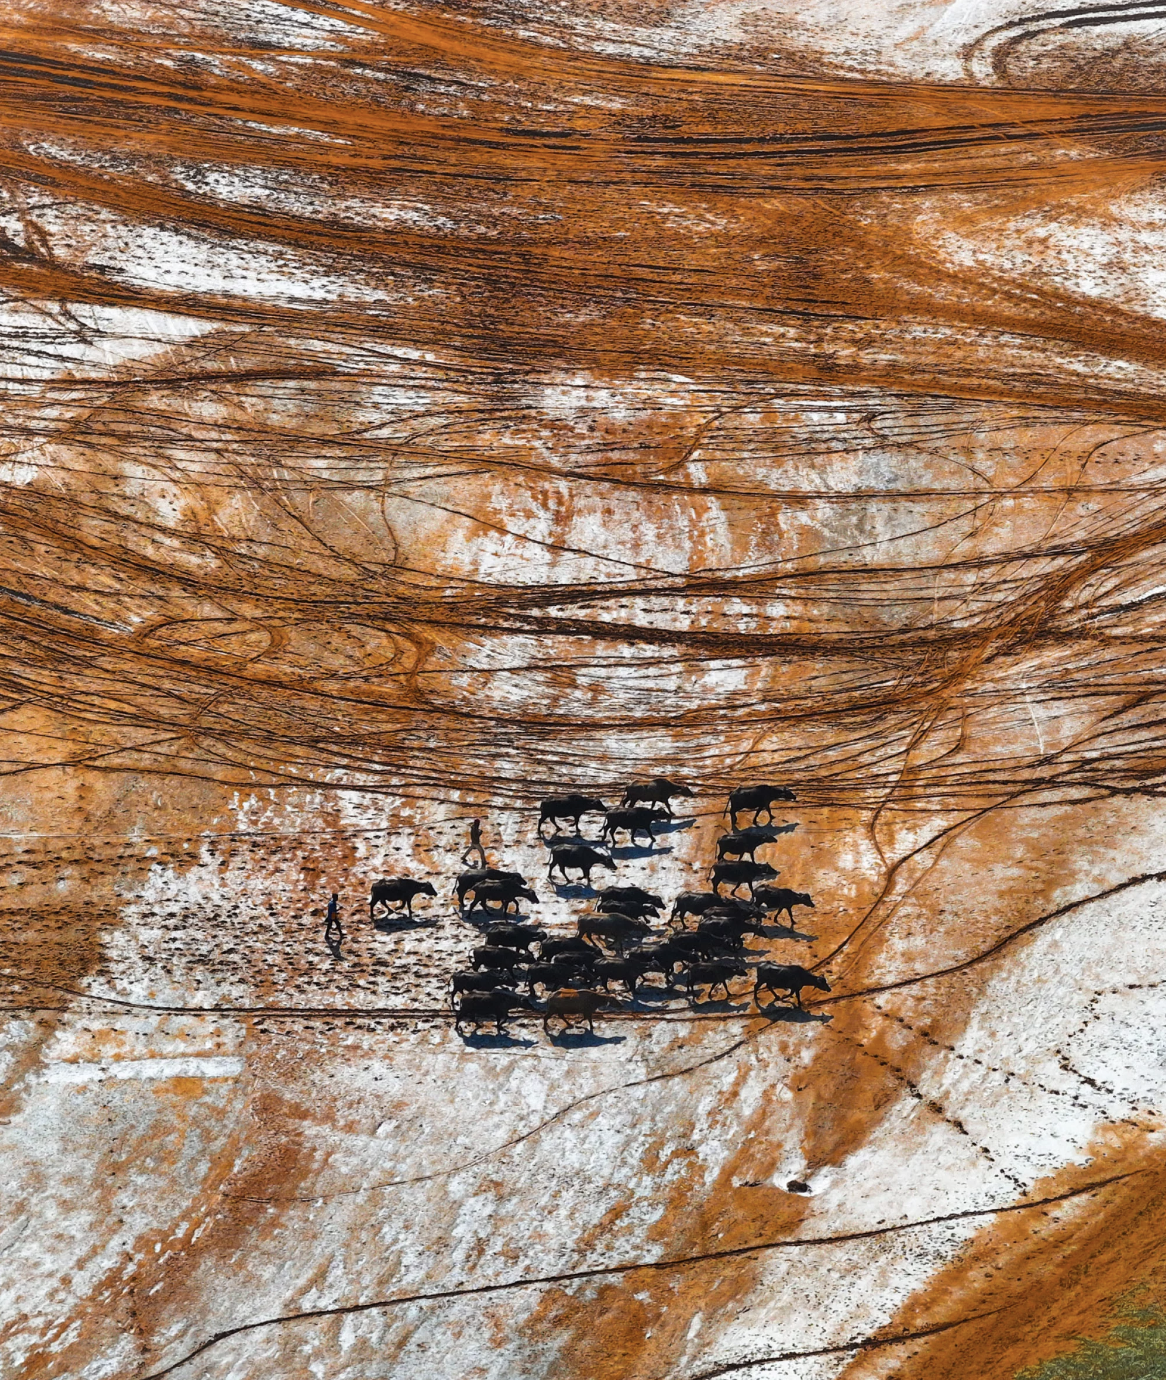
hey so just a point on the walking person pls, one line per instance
(333, 930)
(475, 851)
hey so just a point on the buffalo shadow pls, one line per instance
(482, 1040)
(793, 1014)
(628, 851)
(583, 1039)
(398, 924)
(672, 826)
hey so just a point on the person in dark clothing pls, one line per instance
(333, 930)
(475, 851)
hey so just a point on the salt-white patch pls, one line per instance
(191, 1067)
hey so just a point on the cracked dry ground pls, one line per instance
(412, 411)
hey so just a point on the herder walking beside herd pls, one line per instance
(630, 943)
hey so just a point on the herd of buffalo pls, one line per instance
(624, 940)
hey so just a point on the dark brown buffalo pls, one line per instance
(631, 900)
(571, 949)
(632, 822)
(745, 842)
(503, 894)
(756, 799)
(579, 858)
(789, 978)
(489, 957)
(715, 974)
(481, 982)
(780, 898)
(514, 936)
(572, 807)
(658, 791)
(468, 881)
(554, 975)
(570, 1005)
(482, 1008)
(629, 971)
(739, 874)
(616, 929)
(397, 891)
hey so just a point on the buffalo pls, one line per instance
(481, 982)
(693, 903)
(616, 929)
(571, 949)
(700, 946)
(745, 842)
(756, 799)
(399, 891)
(632, 822)
(553, 975)
(728, 930)
(468, 881)
(571, 807)
(780, 898)
(579, 858)
(504, 892)
(480, 1008)
(632, 900)
(661, 958)
(514, 937)
(658, 791)
(786, 977)
(739, 874)
(571, 1005)
(714, 974)
(489, 956)
(629, 971)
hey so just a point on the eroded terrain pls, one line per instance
(414, 411)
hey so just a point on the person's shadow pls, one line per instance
(334, 937)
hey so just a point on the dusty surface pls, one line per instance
(410, 411)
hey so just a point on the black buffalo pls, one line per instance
(658, 791)
(514, 937)
(572, 949)
(728, 929)
(572, 807)
(615, 928)
(502, 894)
(700, 946)
(481, 982)
(469, 881)
(693, 903)
(632, 822)
(788, 978)
(780, 898)
(488, 956)
(739, 874)
(629, 971)
(579, 858)
(632, 900)
(399, 891)
(661, 958)
(571, 1006)
(714, 974)
(745, 842)
(757, 800)
(553, 975)
(482, 1008)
